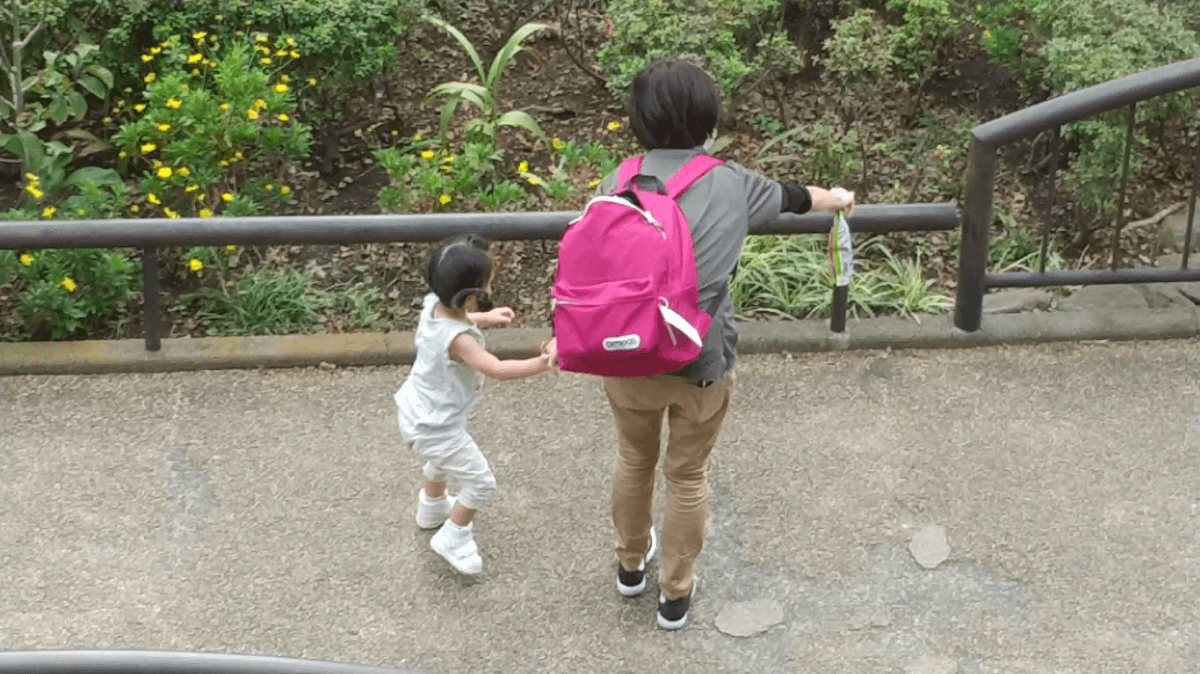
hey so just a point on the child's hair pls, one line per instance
(459, 268)
(673, 104)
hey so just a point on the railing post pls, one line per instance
(841, 297)
(976, 223)
(151, 300)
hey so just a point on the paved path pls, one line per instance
(271, 513)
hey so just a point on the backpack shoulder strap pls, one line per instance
(628, 171)
(691, 172)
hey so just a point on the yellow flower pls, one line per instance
(164, 127)
(294, 54)
(140, 107)
(269, 187)
(444, 199)
(448, 159)
(260, 38)
(195, 264)
(170, 213)
(395, 132)
(199, 35)
(164, 44)
(987, 34)
(285, 79)
(34, 191)
(158, 49)
(523, 167)
(191, 188)
(48, 211)
(152, 198)
(417, 137)
(195, 72)
(107, 120)
(594, 183)
(283, 117)
(252, 114)
(31, 178)
(146, 58)
(164, 172)
(281, 53)
(148, 147)
(200, 197)
(230, 248)
(217, 17)
(210, 63)
(184, 171)
(26, 259)
(262, 50)
(613, 126)
(290, 42)
(183, 87)
(280, 88)
(224, 106)
(195, 58)
(557, 143)
(150, 78)
(69, 284)
(265, 61)
(122, 154)
(533, 180)
(285, 190)
(312, 82)
(223, 163)
(157, 163)
(427, 155)
(260, 104)
(205, 213)
(238, 155)
(174, 103)
(134, 208)
(227, 197)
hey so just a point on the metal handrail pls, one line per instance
(987, 138)
(151, 234)
(168, 662)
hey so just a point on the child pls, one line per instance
(445, 381)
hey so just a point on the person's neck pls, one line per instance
(443, 311)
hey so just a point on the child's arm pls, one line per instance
(465, 349)
(487, 319)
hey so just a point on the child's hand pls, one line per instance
(497, 316)
(550, 353)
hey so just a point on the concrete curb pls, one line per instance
(396, 348)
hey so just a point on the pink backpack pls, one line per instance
(626, 302)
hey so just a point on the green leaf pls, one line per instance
(473, 93)
(95, 175)
(509, 51)
(447, 114)
(522, 119)
(78, 105)
(104, 74)
(463, 41)
(721, 144)
(31, 151)
(94, 86)
(92, 142)
(58, 110)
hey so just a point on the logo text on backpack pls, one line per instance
(623, 343)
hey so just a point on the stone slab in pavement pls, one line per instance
(270, 513)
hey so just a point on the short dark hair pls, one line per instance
(673, 104)
(459, 268)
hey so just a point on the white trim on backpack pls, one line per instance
(608, 198)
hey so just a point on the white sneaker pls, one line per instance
(633, 583)
(457, 545)
(432, 512)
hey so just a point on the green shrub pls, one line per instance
(216, 128)
(723, 36)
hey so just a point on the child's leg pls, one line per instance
(435, 488)
(455, 541)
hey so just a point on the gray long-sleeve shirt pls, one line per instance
(720, 208)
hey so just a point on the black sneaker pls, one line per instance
(673, 613)
(633, 583)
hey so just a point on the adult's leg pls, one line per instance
(638, 414)
(695, 422)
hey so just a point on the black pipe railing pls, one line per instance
(167, 662)
(150, 235)
(1126, 92)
